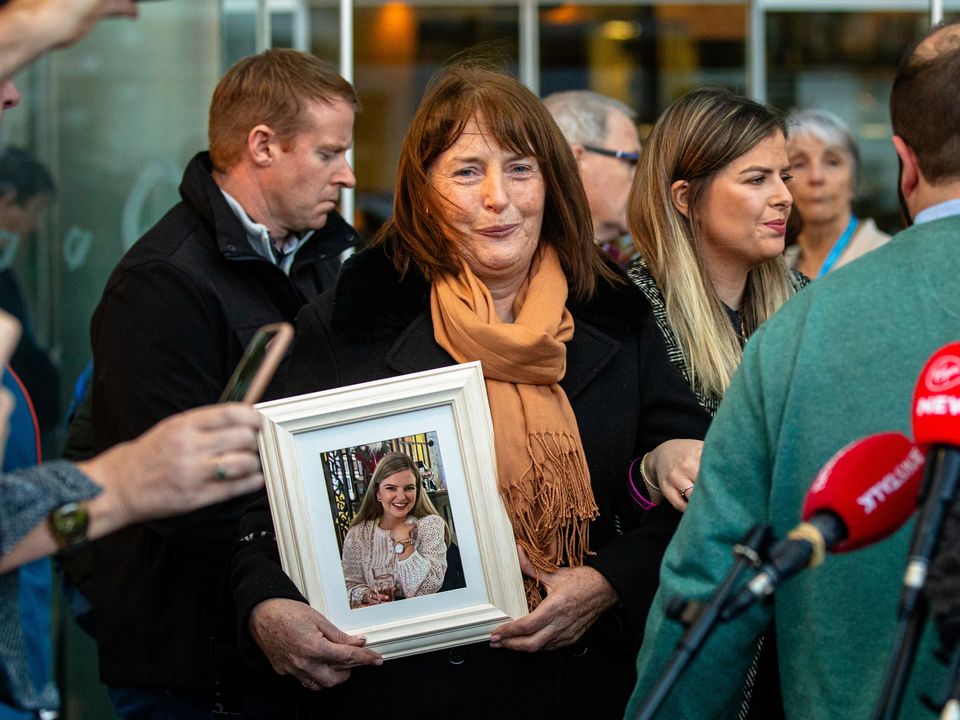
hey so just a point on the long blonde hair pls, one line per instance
(390, 464)
(697, 136)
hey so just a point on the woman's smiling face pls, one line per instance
(494, 200)
(397, 494)
(743, 216)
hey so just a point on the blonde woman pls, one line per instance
(708, 213)
(397, 533)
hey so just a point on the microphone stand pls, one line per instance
(947, 708)
(940, 490)
(951, 708)
(701, 618)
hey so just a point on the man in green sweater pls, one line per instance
(838, 362)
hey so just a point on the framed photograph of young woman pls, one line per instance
(384, 497)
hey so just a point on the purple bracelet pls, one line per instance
(637, 496)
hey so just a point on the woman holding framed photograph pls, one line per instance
(489, 256)
(396, 546)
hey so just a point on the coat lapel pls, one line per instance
(416, 350)
(363, 312)
(588, 354)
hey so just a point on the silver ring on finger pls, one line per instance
(311, 684)
(683, 493)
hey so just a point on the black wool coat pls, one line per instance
(627, 397)
(174, 319)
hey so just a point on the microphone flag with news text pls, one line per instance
(936, 429)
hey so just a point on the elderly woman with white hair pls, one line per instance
(824, 161)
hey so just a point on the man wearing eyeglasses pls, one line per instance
(602, 133)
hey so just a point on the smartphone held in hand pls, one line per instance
(258, 364)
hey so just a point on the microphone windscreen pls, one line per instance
(872, 485)
(936, 400)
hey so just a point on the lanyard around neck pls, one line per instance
(838, 248)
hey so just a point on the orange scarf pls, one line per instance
(542, 473)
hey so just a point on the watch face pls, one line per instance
(398, 548)
(69, 523)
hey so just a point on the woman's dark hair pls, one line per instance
(519, 122)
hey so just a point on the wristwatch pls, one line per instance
(402, 545)
(68, 524)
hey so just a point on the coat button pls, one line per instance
(455, 657)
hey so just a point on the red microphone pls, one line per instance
(936, 400)
(936, 406)
(865, 492)
(936, 427)
(872, 484)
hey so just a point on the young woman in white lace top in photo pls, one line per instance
(396, 546)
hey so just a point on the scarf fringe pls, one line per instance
(551, 507)
(543, 477)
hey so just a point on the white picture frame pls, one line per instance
(451, 404)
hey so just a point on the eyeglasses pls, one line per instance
(628, 157)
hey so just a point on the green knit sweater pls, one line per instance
(838, 362)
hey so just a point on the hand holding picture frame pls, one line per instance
(326, 457)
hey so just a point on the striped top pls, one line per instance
(639, 273)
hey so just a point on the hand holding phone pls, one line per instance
(258, 364)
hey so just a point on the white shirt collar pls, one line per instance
(260, 240)
(938, 211)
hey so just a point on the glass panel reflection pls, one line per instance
(398, 48)
(844, 62)
(646, 56)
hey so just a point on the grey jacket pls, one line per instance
(26, 497)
